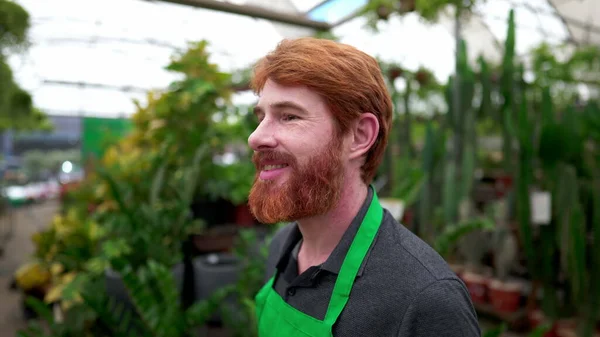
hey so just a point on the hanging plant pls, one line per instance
(407, 6)
(422, 76)
(394, 72)
(430, 10)
(384, 12)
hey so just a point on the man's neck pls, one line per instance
(321, 234)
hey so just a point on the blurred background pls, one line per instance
(125, 168)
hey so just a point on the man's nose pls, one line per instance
(263, 137)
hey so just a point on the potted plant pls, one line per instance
(153, 228)
(505, 296)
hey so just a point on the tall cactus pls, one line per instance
(510, 106)
(460, 167)
(433, 152)
(593, 160)
(549, 144)
(524, 182)
(485, 78)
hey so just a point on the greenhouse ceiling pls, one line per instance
(91, 57)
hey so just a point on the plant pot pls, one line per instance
(408, 218)
(215, 241)
(566, 328)
(211, 273)
(536, 318)
(477, 286)
(38, 293)
(566, 332)
(243, 216)
(505, 296)
(214, 271)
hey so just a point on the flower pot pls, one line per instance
(243, 216)
(477, 286)
(505, 296)
(39, 293)
(537, 318)
(211, 273)
(214, 242)
(566, 332)
(566, 328)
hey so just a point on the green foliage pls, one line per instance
(409, 180)
(14, 25)
(16, 105)
(428, 10)
(452, 233)
(497, 331)
(155, 226)
(201, 99)
(252, 253)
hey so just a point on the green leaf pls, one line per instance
(453, 233)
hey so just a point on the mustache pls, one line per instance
(260, 158)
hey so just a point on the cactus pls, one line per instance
(461, 119)
(425, 202)
(406, 135)
(509, 107)
(485, 78)
(524, 182)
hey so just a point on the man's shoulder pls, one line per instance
(409, 281)
(405, 255)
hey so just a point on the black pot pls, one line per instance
(196, 280)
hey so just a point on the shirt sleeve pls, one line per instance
(443, 309)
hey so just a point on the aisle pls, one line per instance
(27, 221)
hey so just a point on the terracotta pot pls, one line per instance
(243, 216)
(505, 296)
(566, 332)
(566, 328)
(477, 286)
(211, 243)
(407, 218)
(536, 318)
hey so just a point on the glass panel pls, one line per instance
(334, 10)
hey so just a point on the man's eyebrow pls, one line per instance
(289, 105)
(280, 106)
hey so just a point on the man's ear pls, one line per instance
(364, 134)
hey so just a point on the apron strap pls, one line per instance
(353, 260)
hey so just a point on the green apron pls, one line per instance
(276, 318)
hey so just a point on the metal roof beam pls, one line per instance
(256, 12)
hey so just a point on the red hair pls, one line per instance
(348, 79)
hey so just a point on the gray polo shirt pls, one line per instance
(404, 288)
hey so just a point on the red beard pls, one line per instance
(311, 190)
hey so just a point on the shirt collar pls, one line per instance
(334, 263)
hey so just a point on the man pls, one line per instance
(343, 267)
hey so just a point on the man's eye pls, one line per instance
(289, 117)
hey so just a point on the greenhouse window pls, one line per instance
(335, 10)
